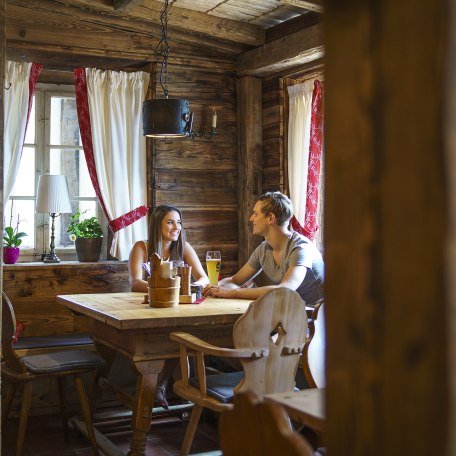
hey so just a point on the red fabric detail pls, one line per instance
(82, 103)
(297, 226)
(33, 79)
(315, 148)
(200, 300)
(20, 327)
(127, 219)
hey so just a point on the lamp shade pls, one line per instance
(52, 195)
(165, 117)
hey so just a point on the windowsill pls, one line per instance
(61, 264)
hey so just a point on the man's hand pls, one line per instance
(219, 292)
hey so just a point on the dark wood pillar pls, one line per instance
(2, 84)
(250, 159)
(385, 228)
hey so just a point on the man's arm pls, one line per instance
(292, 279)
(234, 282)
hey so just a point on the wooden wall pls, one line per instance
(200, 176)
(32, 288)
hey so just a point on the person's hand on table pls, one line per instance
(220, 292)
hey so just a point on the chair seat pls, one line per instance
(220, 386)
(61, 361)
(58, 340)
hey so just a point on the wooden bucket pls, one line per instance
(167, 296)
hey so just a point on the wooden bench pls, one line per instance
(32, 289)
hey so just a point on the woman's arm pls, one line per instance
(138, 256)
(191, 258)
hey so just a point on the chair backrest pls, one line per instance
(259, 428)
(314, 355)
(277, 320)
(13, 361)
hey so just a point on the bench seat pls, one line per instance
(35, 345)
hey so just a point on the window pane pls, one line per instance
(72, 164)
(85, 183)
(30, 134)
(62, 238)
(64, 122)
(24, 185)
(26, 211)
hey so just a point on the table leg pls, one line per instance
(144, 400)
(94, 391)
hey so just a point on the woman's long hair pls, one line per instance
(155, 233)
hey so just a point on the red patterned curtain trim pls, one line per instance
(315, 149)
(129, 218)
(35, 71)
(297, 226)
(80, 85)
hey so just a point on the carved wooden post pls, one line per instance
(250, 155)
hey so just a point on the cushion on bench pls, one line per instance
(58, 340)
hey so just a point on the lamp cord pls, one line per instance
(162, 49)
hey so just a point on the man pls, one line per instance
(285, 259)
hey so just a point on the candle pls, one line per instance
(166, 269)
(214, 118)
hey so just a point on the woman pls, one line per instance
(167, 239)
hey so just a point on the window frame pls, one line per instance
(43, 95)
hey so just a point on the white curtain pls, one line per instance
(300, 109)
(115, 104)
(15, 105)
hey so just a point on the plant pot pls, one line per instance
(10, 255)
(88, 249)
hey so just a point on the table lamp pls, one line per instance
(53, 197)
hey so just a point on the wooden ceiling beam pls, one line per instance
(56, 16)
(291, 50)
(315, 5)
(123, 5)
(182, 19)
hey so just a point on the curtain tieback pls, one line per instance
(127, 219)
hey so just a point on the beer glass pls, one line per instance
(213, 261)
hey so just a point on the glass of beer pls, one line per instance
(213, 262)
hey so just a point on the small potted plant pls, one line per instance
(87, 235)
(12, 239)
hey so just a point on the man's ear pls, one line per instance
(271, 218)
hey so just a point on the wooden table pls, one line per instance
(305, 406)
(123, 324)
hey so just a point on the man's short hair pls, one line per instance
(278, 204)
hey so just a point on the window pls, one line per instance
(52, 146)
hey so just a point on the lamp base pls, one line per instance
(51, 258)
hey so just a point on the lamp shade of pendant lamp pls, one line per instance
(166, 117)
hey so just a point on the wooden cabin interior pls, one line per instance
(389, 242)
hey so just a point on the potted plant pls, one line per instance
(87, 235)
(12, 239)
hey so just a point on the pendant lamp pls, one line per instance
(165, 117)
(170, 117)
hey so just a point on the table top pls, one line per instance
(127, 311)
(306, 406)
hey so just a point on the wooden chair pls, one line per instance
(313, 355)
(255, 427)
(22, 371)
(268, 339)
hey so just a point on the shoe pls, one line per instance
(160, 397)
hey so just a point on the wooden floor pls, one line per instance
(45, 438)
